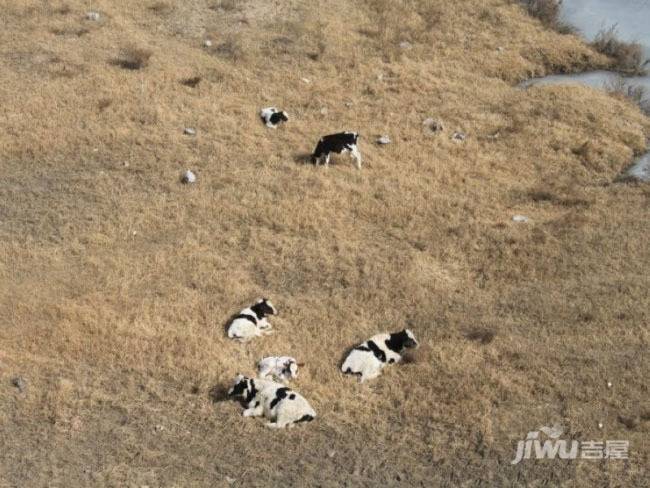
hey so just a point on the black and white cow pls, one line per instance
(281, 405)
(251, 322)
(272, 117)
(370, 357)
(341, 142)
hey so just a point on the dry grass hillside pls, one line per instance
(116, 280)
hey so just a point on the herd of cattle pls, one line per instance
(268, 396)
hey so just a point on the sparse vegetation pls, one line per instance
(635, 93)
(628, 56)
(548, 12)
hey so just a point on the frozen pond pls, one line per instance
(632, 20)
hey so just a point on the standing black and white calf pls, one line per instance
(251, 322)
(370, 357)
(341, 142)
(282, 406)
(272, 117)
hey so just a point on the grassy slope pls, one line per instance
(121, 334)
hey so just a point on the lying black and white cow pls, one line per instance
(337, 143)
(251, 322)
(272, 117)
(276, 402)
(370, 357)
(281, 368)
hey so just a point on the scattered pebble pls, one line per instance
(609, 384)
(306, 80)
(160, 428)
(323, 111)
(94, 16)
(230, 480)
(348, 104)
(135, 233)
(600, 425)
(19, 383)
(207, 43)
(520, 218)
(500, 49)
(126, 164)
(458, 136)
(189, 131)
(405, 45)
(188, 177)
(331, 454)
(383, 140)
(433, 125)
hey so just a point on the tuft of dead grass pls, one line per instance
(480, 335)
(133, 58)
(192, 82)
(627, 56)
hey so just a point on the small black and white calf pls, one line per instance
(277, 368)
(370, 357)
(272, 117)
(251, 322)
(342, 142)
(279, 404)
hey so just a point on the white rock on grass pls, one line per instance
(94, 16)
(189, 131)
(207, 43)
(458, 136)
(383, 140)
(520, 218)
(188, 177)
(405, 45)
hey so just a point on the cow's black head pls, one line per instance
(399, 341)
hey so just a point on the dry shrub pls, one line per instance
(191, 82)
(133, 58)
(104, 103)
(628, 56)
(232, 48)
(227, 5)
(160, 8)
(548, 13)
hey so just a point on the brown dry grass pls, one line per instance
(115, 279)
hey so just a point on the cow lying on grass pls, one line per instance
(272, 117)
(369, 358)
(251, 322)
(279, 404)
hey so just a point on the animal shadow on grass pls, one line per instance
(219, 393)
(303, 158)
